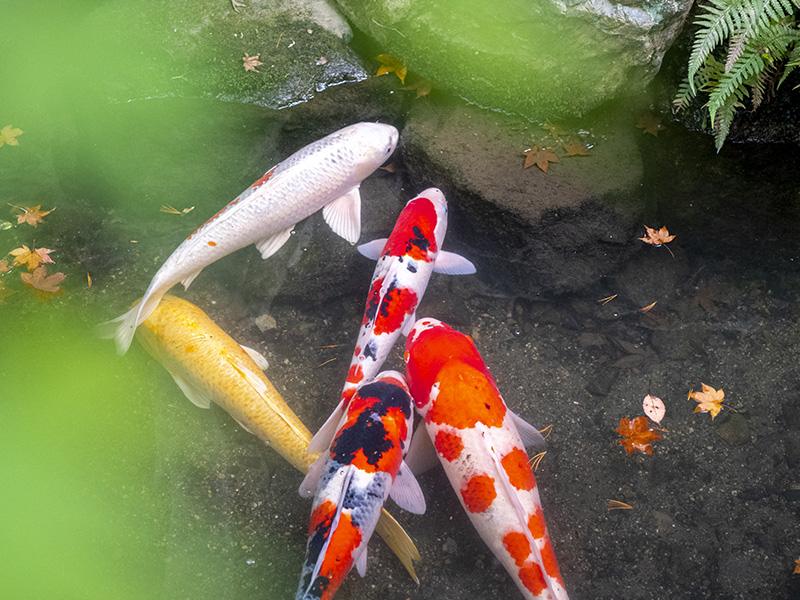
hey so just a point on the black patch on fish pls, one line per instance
(419, 240)
(319, 586)
(369, 350)
(387, 299)
(412, 266)
(372, 305)
(368, 433)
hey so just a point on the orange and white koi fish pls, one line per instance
(406, 261)
(326, 173)
(480, 443)
(351, 481)
(209, 366)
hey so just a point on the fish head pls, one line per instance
(372, 143)
(429, 347)
(419, 231)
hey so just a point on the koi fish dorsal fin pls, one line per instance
(529, 434)
(271, 244)
(450, 263)
(398, 541)
(257, 357)
(323, 438)
(344, 215)
(373, 250)
(405, 491)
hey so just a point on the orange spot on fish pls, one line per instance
(479, 493)
(264, 178)
(396, 305)
(210, 243)
(518, 547)
(519, 472)
(355, 374)
(466, 397)
(533, 578)
(322, 513)
(449, 445)
(536, 524)
(338, 558)
(549, 561)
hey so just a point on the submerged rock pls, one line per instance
(191, 48)
(539, 59)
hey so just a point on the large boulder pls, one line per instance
(539, 59)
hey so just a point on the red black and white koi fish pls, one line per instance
(363, 466)
(406, 261)
(326, 173)
(480, 443)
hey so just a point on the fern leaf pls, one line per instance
(735, 50)
(792, 62)
(759, 87)
(722, 124)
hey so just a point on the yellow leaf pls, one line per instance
(8, 135)
(4, 268)
(392, 64)
(709, 400)
(31, 258)
(32, 215)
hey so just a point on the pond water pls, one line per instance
(115, 486)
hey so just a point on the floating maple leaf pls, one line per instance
(797, 567)
(576, 148)
(540, 157)
(32, 215)
(555, 131)
(637, 434)
(40, 280)
(656, 238)
(4, 268)
(649, 123)
(392, 64)
(423, 87)
(8, 135)
(709, 400)
(32, 258)
(251, 62)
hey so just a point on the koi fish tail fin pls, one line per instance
(398, 541)
(122, 328)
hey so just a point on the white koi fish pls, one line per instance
(351, 481)
(480, 444)
(325, 174)
(406, 261)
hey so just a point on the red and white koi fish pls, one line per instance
(361, 468)
(480, 443)
(406, 261)
(326, 173)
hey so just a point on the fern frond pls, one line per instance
(792, 62)
(759, 87)
(722, 123)
(727, 18)
(705, 80)
(735, 49)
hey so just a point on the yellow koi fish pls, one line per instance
(209, 366)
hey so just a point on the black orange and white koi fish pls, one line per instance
(351, 481)
(406, 261)
(480, 444)
(326, 173)
(209, 366)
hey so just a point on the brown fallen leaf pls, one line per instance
(40, 280)
(32, 215)
(422, 86)
(4, 268)
(637, 434)
(556, 131)
(576, 148)
(656, 238)
(796, 567)
(649, 123)
(617, 505)
(645, 309)
(539, 157)
(251, 62)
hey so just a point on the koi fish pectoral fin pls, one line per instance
(451, 263)
(309, 485)
(406, 492)
(372, 250)
(529, 434)
(257, 357)
(187, 281)
(343, 215)
(272, 243)
(409, 324)
(197, 396)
